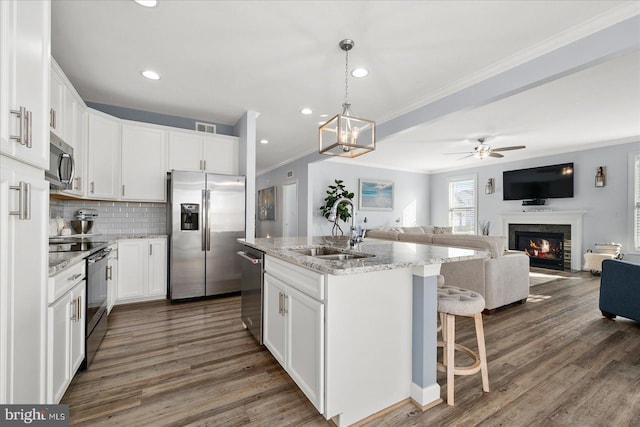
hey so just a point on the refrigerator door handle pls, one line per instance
(208, 220)
(205, 225)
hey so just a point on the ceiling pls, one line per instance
(219, 59)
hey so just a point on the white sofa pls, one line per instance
(501, 279)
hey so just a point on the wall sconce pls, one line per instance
(601, 174)
(489, 188)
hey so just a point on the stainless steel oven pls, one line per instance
(61, 164)
(97, 274)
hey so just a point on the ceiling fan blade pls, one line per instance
(497, 155)
(462, 152)
(515, 147)
(470, 155)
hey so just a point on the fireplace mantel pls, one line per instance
(572, 218)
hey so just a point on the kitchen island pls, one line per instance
(358, 334)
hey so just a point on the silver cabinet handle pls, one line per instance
(74, 277)
(24, 133)
(122, 190)
(93, 187)
(77, 186)
(24, 200)
(109, 272)
(79, 307)
(201, 168)
(29, 130)
(284, 304)
(74, 310)
(280, 303)
(205, 165)
(52, 118)
(150, 249)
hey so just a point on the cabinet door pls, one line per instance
(57, 106)
(112, 294)
(24, 80)
(221, 154)
(157, 267)
(104, 157)
(144, 163)
(58, 347)
(77, 326)
(79, 116)
(23, 261)
(185, 151)
(274, 317)
(133, 267)
(305, 349)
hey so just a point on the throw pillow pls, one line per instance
(441, 230)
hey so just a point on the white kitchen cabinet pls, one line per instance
(65, 339)
(103, 164)
(112, 277)
(23, 282)
(142, 269)
(57, 104)
(294, 325)
(24, 80)
(144, 162)
(199, 151)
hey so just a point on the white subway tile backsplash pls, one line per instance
(115, 217)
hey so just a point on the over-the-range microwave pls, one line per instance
(61, 165)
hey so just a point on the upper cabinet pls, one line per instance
(57, 103)
(103, 164)
(24, 91)
(205, 152)
(144, 162)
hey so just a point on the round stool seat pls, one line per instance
(458, 301)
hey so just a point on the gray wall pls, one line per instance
(411, 195)
(157, 118)
(609, 209)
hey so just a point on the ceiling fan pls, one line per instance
(483, 150)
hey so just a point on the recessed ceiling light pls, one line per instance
(264, 141)
(324, 115)
(322, 122)
(147, 3)
(151, 75)
(306, 111)
(360, 72)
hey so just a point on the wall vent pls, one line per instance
(289, 174)
(205, 127)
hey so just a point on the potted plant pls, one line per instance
(334, 193)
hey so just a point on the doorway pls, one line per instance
(290, 209)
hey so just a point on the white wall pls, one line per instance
(411, 194)
(608, 216)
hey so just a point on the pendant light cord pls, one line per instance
(346, 78)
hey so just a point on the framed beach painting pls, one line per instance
(267, 204)
(375, 195)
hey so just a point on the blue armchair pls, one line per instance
(620, 289)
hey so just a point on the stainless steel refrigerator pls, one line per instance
(206, 216)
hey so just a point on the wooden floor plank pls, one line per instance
(553, 361)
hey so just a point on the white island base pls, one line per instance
(356, 344)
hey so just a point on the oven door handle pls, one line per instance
(101, 255)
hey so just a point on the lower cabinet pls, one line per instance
(294, 332)
(112, 277)
(65, 340)
(142, 270)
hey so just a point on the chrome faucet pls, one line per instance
(355, 238)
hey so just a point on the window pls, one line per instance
(462, 204)
(636, 200)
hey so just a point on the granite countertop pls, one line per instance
(58, 261)
(387, 255)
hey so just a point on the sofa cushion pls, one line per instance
(442, 230)
(413, 230)
(493, 244)
(428, 229)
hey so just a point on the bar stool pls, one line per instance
(452, 302)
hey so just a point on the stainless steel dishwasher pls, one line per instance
(251, 290)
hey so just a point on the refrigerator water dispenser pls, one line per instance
(190, 216)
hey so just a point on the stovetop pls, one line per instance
(75, 244)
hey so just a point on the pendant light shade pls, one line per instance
(345, 135)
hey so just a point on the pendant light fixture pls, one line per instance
(345, 135)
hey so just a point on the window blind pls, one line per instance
(636, 214)
(462, 205)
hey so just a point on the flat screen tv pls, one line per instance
(544, 182)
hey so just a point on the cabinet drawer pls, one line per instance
(306, 281)
(65, 280)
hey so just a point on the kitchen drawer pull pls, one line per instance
(93, 187)
(24, 200)
(75, 277)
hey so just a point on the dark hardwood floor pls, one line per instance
(554, 361)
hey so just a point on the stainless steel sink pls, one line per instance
(330, 254)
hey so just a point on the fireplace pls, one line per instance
(544, 249)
